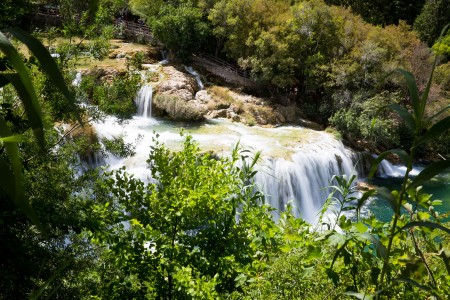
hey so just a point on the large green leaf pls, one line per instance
(405, 114)
(27, 101)
(381, 249)
(399, 152)
(435, 130)
(413, 93)
(11, 178)
(36, 294)
(430, 171)
(47, 61)
(360, 296)
(30, 102)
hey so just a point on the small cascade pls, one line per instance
(304, 179)
(194, 73)
(165, 59)
(386, 169)
(143, 101)
(77, 80)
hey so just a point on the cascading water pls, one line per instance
(165, 59)
(297, 164)
(143, 101)
(386, 169)
(194, 73)
(304, 178)
(77, 80)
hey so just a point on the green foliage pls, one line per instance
(382, 12)
(181, 28)
(36, 251)
(12, 11)
(192, 232)
(291, 52)
(434, 16)
(398, 254)
(442, 46)
(114, 97)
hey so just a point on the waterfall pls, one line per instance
(386, 169)
(77, 80)
(165, 59)
(297, 164)
(194, 73)
(143, 101)
(304, 179)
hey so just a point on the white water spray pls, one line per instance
(77, 80)
(143, 101)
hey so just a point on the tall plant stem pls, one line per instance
(396, 217)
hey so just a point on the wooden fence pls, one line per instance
(224, 64)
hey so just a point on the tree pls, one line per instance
(383, 12)
(290, 53)
(192, 232)
(12, 11)
(433, 17)
(182, 29)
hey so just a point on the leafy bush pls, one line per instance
(115, 97)
(192, 233)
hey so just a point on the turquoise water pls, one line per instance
(438, 186)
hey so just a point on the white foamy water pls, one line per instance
(297, 163)
(386, 169)
(143, 101)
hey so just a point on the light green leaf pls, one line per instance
(430, 171)
(359, 295)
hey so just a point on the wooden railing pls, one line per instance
(131, 28)
(224, 64)
(135, 29)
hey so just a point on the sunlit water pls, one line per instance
(297, 164)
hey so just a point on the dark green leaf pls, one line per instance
(430, 171)
(424, 224)
(36, 294)
(3, 81)
(435, 130)
(404, 113)
(44, 57)
(32, 106)
(386, 193)
(93, 7)
(413, 92)
(11, 178)
(381, 250)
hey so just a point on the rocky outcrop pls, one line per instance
(176, 96)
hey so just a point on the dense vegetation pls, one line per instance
(201, 230)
